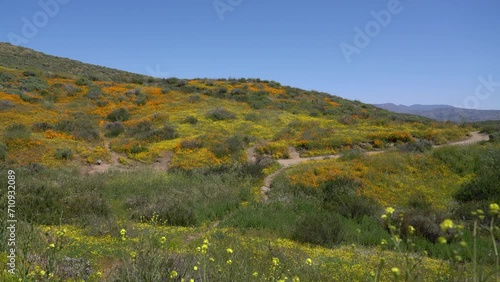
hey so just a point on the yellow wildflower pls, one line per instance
(173, 274)
(309, 261)
(229, 251)
(447, 224)
(494, 208)
(390, 210)
(396, 271)
(442, 240)
(229, 261)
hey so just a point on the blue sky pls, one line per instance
(418, 51)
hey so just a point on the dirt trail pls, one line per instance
(474, 137)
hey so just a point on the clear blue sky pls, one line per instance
(429, 52)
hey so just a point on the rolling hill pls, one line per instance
(115, 176)
(443, 112)
(70, 112)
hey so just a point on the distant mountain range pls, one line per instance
(443, 112)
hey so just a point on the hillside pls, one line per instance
(443, 112)
(121, 177)
(62, 119)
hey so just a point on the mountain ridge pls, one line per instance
(443, 112)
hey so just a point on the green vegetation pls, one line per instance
(121, 177)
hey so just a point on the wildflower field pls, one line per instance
(122, 177)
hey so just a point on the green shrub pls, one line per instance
(29, 73)
(190, 120)
(485, 187)
(31, 84)
(63, 154)
(6, 77)
(80, 127)
(218, 114)
(191, 144)
(165, 209)
(120, 114)
(6, 105)
(144, 131)
(113, 129)
(17, 131)
(194, 98)
(320, 228)
(82, 81)
(419, 146)
(340, 195)
(70, 89)
(425, 225)
(94, 93)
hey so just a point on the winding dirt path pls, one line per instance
(474, 137)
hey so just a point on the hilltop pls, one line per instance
(55, 111)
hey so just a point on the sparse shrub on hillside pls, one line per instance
(41, 126)
(341, 195)
(320, 228)
(484, 187)
(228, 146)
(252, 117)
(6, 77)
(6, 105)
(164, 209)
(94, 93)
(63, 154)
(29, 73)
(195, 98)
(81, 127)
(3, 151)
(82, 81)
(17, 131)
(220, 113)
(425, 224)
(144, 131)
(258, 100)
(113, 129)
(31, 84)
(120, 114)
(419, 146)
(70, 89)
(190, 120)
(191, 144)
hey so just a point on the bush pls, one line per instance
(191, 144)
(63, 154)
(419, 146)
(144, 131)
(485, 187)
(93, 93)
(31, 83)
(83, 81)
(190, 120)
(80, 127)
(424, 225)
(218, 114)
(120, 114)
(41, 126)
(320, 228)
(17, 131)
(340, 195)
(6, 77)
(70, 89)
(6, 105)
(194, 98)
(165, 209)
(113, 129)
